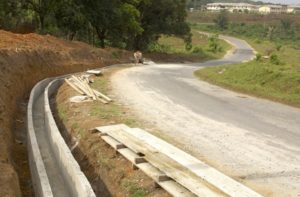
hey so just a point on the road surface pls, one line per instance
(253, 140)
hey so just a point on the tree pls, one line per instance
(160, 17)
(9, 13)
(69, 18)
(126, 25)
(111, 18)
(222, 20)
(42, 8)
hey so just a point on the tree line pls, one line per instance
(128, 24)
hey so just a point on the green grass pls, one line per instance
(106, 111)
(263, 79)
(279, 82)
(133, 188)
(101, 85)
(174, 45)
(111, 110)
(62, 112)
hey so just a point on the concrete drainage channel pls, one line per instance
(53, 168)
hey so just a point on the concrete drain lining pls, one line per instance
(57, 163)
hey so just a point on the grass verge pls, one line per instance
(174, 48)
(262, 79)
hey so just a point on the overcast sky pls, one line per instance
(283, 1)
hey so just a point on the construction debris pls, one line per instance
(79, 99)
(81, 85)
(94, 72)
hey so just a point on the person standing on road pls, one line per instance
(138, 57)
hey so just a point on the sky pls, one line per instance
(283, 1)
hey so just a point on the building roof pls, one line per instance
(273, 6)
(231, 4)
(294, 6)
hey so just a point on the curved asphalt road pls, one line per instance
(255, 141)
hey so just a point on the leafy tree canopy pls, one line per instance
(131, 24)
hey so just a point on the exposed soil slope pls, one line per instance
(24, 60)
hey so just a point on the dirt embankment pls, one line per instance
(24, 60)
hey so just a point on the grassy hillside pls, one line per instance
(276, 72)
(176, 50)
(276, 77)
(250, 18)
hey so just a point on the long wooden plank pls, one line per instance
(87, 87)
(175, 189)
(131, 156)
(80, 85)
(113, 143)
(166, 164)
(74, 86)
(102, 95)
(170, 186)
(209, 174)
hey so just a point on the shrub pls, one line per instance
(159, 48)
(222, 20)
(274, 59)
(278, 47)
(197, 50)
(214, 45)
(258, 57)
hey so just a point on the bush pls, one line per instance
(214, 45)
(278, 47)
(274, 59)
(258, 57)
(159, 48)
(197, 50)
(222, 20)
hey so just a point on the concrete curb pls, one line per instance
(74, 177)
(39, 176)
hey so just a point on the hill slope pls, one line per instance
(24, 60)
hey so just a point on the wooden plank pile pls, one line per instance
(81, 85)
(173, 165)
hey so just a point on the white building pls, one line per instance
(268, 9)
(231, 7)
(245, 7)
(293, 9)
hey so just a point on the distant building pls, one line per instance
(231, 7)
(268, 9)
(293, 9)
(245, 7)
